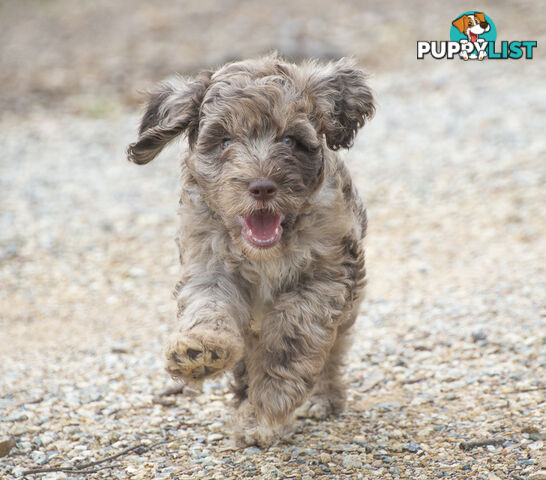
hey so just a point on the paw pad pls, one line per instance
(193, 354)
(196, 355)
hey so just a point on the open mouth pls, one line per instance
(262, 228)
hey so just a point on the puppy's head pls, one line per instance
(259, 134)
(474, 23)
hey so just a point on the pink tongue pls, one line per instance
(263, 224)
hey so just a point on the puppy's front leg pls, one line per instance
(296, 339)
(208, 339)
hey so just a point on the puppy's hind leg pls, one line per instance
(239, 385)
(329, 394)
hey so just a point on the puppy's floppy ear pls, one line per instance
(461, 23)
(480, 16)
(173, 108)
(343, 101)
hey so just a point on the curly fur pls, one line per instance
(277, 317)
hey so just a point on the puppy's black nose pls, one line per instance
(484, 25)
(262, 189)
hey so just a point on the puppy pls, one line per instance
(271, 232)
(472, 26)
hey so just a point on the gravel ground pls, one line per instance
(449, 349)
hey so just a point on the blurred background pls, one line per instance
(90, 57)
(451, 168)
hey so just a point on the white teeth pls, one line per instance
(265, 241)
(262, 242)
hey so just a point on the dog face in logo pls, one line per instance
(472, 25)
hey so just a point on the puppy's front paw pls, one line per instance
(247, 430)
(200, 353)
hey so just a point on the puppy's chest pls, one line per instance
(259, 308)
(263, 292)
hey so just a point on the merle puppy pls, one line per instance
(271, 232)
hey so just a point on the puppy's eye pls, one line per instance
(288, 141)
(226, 142)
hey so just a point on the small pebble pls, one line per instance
(412, 447)
(325, 458)
(38, 457)
(396, 447)
(46, 438)
(214, 437)
(479, 336)
(285, 456)
(18, 417)
(252, 451)
(200, 453)
(6, 446)
(352, 461)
